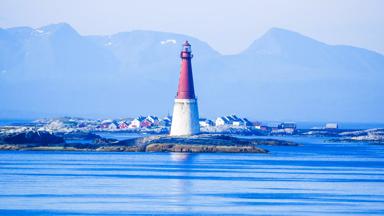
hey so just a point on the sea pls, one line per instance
(316, 178)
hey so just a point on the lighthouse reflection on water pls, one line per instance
(182, 187)
(180, 157)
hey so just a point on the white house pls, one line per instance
(137, 122)
(232, 120)
(113, 126)
(221, 121)
(205, 122)
(237, 123)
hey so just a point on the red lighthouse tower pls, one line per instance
(185, 119)
(186, 89)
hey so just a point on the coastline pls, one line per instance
(204, 143)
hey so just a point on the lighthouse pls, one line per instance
(185, 119)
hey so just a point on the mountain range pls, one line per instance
(283, 75)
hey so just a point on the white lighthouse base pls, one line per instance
(185, 119)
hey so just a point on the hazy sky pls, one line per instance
(228, 26)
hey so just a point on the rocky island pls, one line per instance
(371, 136)
(42, 140)
(196, 144)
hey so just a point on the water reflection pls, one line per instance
(316, 178)
(180, 157)
(183, 187)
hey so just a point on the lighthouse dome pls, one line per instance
(186, 47)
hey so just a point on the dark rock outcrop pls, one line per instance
(78, 135)
(31, 137)
(104, 141)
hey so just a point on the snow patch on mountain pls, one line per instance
(42, 32)
(169, 41)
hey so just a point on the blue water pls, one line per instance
(15, 122)
(316, 178)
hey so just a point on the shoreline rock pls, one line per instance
(203, 148)
(203, 143)
(36, 137)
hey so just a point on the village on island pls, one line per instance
(156, 125)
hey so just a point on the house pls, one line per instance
(273, 127)
(146, 123)
(289, 127)
(137, 122)
(261, 126)
(123, 125)
(227, 120)
(236, 121)
(105, 124)
(222, 121)
(331, 126)
(246, 122)
(113, 126)
(232, 120)
(205, 122)
(153, 120)
(257, 125)
(284, 128)
(265, 128)
(285, 125)
(166, 121)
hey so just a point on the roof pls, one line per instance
(152, 117)
(139, 118)
(224, 119)
(186, 43)
(235, 118)
(167, 119)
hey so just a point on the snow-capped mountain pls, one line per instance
(282, 75)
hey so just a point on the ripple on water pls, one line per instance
(316, 178)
